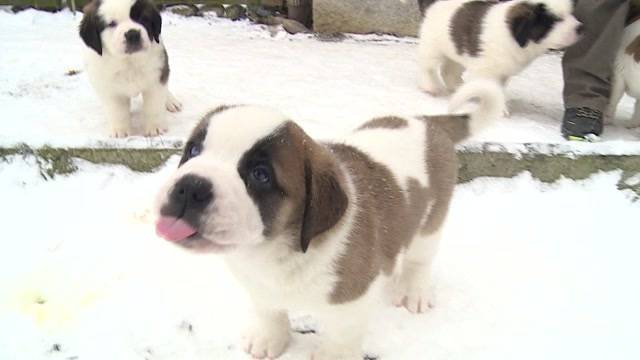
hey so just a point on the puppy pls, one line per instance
(626, 72)
(320, 227)
(124, 58)
(489, 39)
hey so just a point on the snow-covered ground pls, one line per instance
(525, 271)
(326, 86)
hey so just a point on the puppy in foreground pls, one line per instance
(320, 227)
(125, 57)
(488, 39)
(626, 75)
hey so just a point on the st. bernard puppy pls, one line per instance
(124, 58)
(489, 39)
(626, 75)
(320, 227)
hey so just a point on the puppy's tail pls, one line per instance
(491, 105)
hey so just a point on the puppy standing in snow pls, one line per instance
(626, 74)
(124, 58)
(321, 228)
(489, 39)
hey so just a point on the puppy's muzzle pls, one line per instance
(133, 39)
(187, 201)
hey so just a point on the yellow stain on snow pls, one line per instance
(52, 300)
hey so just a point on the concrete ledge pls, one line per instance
(547, 168)
(366, 16)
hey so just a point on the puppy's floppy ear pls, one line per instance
(521, 23)
(156, 23)
(91, 27)
(145, 13)
(529, 22)
(325, 201)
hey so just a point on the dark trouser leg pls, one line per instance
(588, 64)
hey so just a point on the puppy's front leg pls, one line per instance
(118, 113)
(269, 334)
(342, 330)
(154, 111)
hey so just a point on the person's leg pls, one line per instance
(587, 65)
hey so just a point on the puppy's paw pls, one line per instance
(266, 343)
(336, 353)
(432, 89)
(415, 298)
(120, 131)
(173, 105)
(155, 129)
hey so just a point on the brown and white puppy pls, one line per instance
(124, 58)
(626, 75)
(320, 227)
(488, 39)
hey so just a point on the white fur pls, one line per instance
(281, 279)
(117, 76)
(500, 55)
(626, 78)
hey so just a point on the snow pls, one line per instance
(328, 87)
(526, 270)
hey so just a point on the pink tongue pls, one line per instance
(174, 229)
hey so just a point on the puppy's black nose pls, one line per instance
(580, 29)
(132, 36)
(189, 196)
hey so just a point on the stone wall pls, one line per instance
(367, 16)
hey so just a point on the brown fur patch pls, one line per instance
(442, 167)
(633, 49)
(388, 122)
(455, 127)
(384, 224)
(164, 72)
(466, 26)
(307, 198)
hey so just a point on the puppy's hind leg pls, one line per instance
(452, 75)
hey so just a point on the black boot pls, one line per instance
(582, 124)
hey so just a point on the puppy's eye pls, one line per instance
(112, 24)
(193, 150)
(261, 174)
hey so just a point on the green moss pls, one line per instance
(546, 168)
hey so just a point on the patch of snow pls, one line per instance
(328, 87)
(526, 270)
(633, 181)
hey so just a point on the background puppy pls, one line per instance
(320, 227)
(125, 57)
(489, 39)
(626, 75)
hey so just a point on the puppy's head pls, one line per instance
(547, 24)
(120, 27)
(249, 177)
